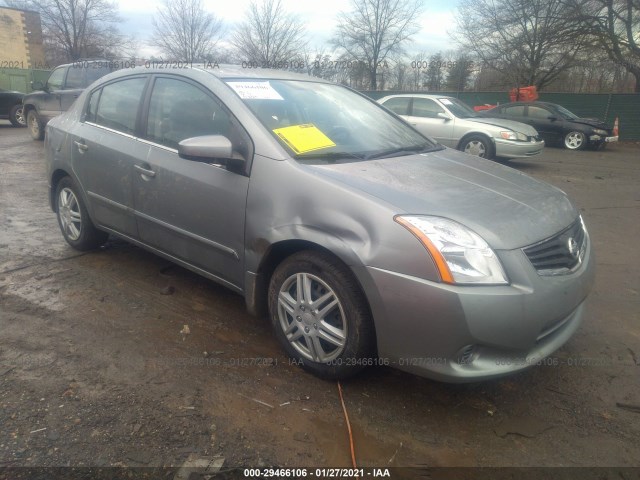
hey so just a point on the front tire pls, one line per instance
(320, 315)
(35, 125)
(16, 116)
(477, 145)
(575, 141)
(73, 218)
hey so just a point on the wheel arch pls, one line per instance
(490, 141)
(27, 107)
(57, 175)
(257, 284)
(477, 133)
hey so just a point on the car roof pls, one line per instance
(222, 72)
(417, 95)
(237, 71)
(529, 103)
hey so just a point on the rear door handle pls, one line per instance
(144, 171)
(81, 146)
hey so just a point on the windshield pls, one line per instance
(566, 113)
(326, 121)
(458, 108)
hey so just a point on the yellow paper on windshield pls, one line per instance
(304, 138)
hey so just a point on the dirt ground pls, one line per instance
(96, 368)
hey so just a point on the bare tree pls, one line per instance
(74, 29)
(185, 31)
(459, 74)
(375, 29)
(614, 26)
(435, 72)
(270, 35)
(529, 41)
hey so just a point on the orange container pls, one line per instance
(523, 94)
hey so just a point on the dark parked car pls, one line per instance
(556, 124)
(59, 92)
(11, 107)
(365, 242)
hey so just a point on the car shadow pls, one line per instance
(519, 164)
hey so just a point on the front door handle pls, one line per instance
(144, 171)
(81, 146)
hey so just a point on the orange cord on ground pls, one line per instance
(346, 417)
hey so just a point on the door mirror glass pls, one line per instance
(206, 148)
(37, 85)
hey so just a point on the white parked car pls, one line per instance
(453, 123)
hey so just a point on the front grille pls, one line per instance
(561, 253)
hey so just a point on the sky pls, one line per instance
(319, 15)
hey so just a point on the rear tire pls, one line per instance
(320, 315)
(16, 116)
(35, 125)
(76, 226)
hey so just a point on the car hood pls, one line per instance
(507, 208)
(592, 122)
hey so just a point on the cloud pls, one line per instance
(319, 15)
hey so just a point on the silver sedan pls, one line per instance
(363, 241)
(452, 123)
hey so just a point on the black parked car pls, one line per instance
(11, 107)
(556, 124)
(59, 92)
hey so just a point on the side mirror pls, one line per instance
(37, 85)
(444, 116)
(553, 118)
(206, 148)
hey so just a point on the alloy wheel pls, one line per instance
(69, 213)
(312, 318)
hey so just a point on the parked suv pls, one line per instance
(59, 92)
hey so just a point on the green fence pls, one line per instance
(624, 106)
(606, 106)
(20, 80)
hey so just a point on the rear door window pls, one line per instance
(75, 77)
(118, 105)
(399, 105)
(539, 113)
(94, 72)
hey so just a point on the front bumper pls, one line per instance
(472, 333)
(600, 139)
(514, 149)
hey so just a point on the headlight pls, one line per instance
(461, 255)
(508, 135)
(597, 131)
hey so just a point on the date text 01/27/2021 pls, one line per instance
(286, 473)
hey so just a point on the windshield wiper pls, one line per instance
(331, 156)
(395, 152)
